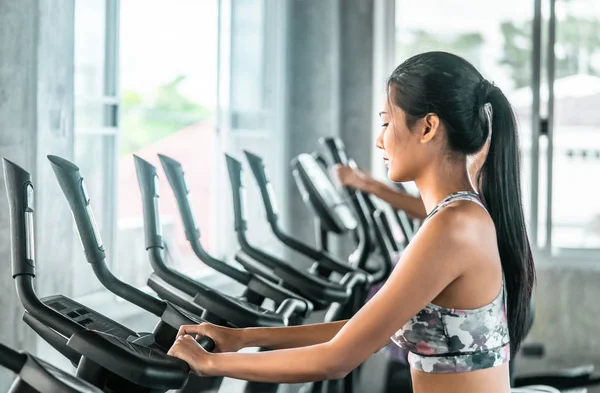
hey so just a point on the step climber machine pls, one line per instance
(108, 355)
(37, 376)
(171, 316)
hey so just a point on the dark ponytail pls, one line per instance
(450, 87)
(500, 188)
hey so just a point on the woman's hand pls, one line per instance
(351, 177)
(187, 349)
(226, 339)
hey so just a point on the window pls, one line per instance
(252, 90)
(96, 124)
(144, 85)
(497, 39)
(554, 101)
(168, 86)
(148, 85)
(574, 191)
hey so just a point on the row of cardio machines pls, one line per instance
(110, 357)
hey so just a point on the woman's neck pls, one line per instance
(439, 181)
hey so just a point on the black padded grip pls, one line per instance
(207, 343)
(234, 168)
(176, 178)
(148, 182)
(73, 187)
(260, 174)
(19, 191)
(336, 148)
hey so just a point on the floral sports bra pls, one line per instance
(448, 340)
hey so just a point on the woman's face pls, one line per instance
(402, 150)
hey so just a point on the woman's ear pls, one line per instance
(430, 125)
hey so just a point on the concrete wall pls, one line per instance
(567, 316)
(329, 74)
(36, 117)
(357, 70)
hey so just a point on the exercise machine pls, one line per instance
(108, 355)
(171, 317)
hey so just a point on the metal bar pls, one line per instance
(222, 121)
(111, 119)
(536, 79)
(550, 152)
(384, 60)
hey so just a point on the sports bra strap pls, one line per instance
(454, 197)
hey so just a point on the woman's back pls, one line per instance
(465, 328)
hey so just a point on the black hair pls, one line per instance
(453, 89)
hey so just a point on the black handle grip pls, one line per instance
(73, 187)
(320, 160)
(266, 187)
(389, 234)
(207, 343)
(176, 178)
(336, 148)
(384, 247)
(11, 359)
(148, 182)
(19, 191)
(234, 168)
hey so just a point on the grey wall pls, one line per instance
(36, 117)
(329, 74)
(356, 82)
(567, 316)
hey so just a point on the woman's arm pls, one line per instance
(411, 205)
(232, 339)
(291, 336)
(434, 259)
(357, 178)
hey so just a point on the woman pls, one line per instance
(458, 299)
